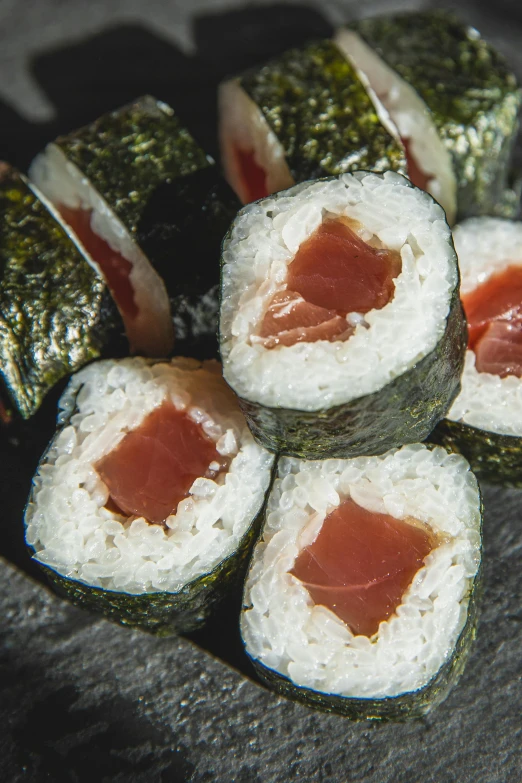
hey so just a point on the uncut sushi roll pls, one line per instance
(304, 115)
(56, 312)
(453, 99)
(101, 179)
(485, 421)
(360, 598)
(341, 326)
(147, 502)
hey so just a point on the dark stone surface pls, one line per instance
(83, 700)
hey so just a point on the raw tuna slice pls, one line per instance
(415, 173)
(333, 273)
(361, 564)
(155, 465)
(115, 268)
(289, 320)
(498, 299)
(499, 350)
(253, 175)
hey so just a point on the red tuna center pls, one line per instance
(416, 175)
(333, 273)
(115, 268)
(494, 314)
(154, 466)
(253, 176)
(361, 564)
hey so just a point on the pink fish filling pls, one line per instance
(494, 314)
(253, 175)
(361, 564)
(154, 466)
(333, 273)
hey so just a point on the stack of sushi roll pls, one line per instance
(147, 502)
(485, 421)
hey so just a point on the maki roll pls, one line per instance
(101, 178)
(485, 421)
(304, 115)
(360, 593)
(341, 326)
(453, 99)
(56, 312)
(147, 502)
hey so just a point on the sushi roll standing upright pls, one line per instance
(360, 598)
(147, 502)
(341, 326)
(56, 312)
(304, 115)
(485, 421)
(453, 99)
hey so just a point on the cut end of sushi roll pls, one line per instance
(359, 594)
(151, 489)
(306, 114)
(485, 421)
(56, 313)
(100, 179)
(429, 161)
(333, 294)
(437, 77)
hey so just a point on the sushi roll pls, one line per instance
(56, 312)
(485, 421)
(147, 502)
(360, 598)
(100, 178)
(304, 115)
(453, 99)
(341, 326)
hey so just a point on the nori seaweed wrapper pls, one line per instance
(56, 313)
(495, 458)
(404, 411)
(321, 113)
(128, 153)
(181, 231)
(470, 92)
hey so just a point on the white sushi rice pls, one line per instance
(263, 242)
(411, 116)
(486, 246)
(242, 125)
(287, 632)
(61, 181)
(67, 522)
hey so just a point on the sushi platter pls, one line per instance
(260, 405)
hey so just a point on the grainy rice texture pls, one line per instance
(263, 242)
(283, 628)
(67, 522)
(486, 246)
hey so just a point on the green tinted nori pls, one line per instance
(406, 706)
(56, 313)
(128, 153)
(181, 231)
(321, 113)
(404, 411)
(493, 457)
(470, 92)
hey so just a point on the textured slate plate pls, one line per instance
(83, 700)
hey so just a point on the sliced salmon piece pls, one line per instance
(115, 268)
(499, 349)
(337, 270)
(289, 320)
(253, 175)
(154, 466)
(361, 564)
(498, 299)
(415, 173)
